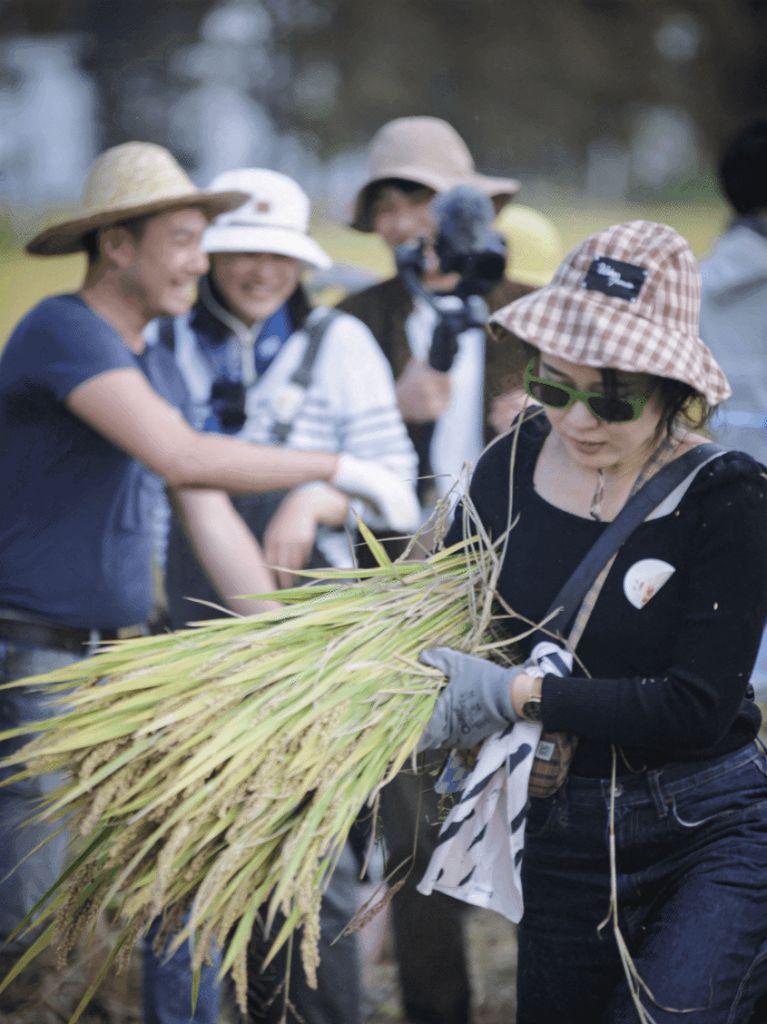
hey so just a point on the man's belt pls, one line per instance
(62, 638)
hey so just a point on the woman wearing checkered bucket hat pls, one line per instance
(644, 874)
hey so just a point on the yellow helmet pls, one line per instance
(535, 245)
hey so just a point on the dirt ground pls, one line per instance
(492, 950)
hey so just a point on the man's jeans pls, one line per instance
(336, 1000)
(691, 854)
(25, 877)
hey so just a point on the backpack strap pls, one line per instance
(166, 332)
(288, 401)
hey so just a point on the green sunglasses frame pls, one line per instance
(635, 404)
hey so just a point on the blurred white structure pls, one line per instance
(48, 112)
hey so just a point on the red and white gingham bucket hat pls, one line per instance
(627, 298)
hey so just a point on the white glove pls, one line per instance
(393, 499)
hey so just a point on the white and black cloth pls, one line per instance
(478, 856)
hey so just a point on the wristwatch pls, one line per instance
(531, 709)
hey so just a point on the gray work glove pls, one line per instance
(393, 499)
(475, 703)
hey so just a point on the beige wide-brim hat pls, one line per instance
(429, 152)
(627, 298)
(134, 179)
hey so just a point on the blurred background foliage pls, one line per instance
(603, 108)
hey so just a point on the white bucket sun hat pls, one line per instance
(275, 218)
(135, 179)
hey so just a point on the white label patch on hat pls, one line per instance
(644, 579)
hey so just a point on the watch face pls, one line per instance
(531, 709)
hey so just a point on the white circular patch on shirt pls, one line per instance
(644, 579)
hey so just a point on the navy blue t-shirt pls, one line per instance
(75, 511)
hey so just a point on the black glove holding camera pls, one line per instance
(466, 244)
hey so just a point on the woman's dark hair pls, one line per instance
(679, 402)
(372, 192)
(299, 306)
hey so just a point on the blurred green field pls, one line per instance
(24, 280)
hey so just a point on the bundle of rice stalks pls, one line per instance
(217, 771)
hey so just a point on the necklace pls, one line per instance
(595, 510)
(662, 454)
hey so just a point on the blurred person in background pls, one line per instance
(262, 365)
(733, 317)
(411, 161)
(93, 427)
(535, 248)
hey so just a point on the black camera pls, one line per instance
(466, 243)
(227, 404)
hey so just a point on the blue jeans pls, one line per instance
(336, 1000)
(691, 855)
(759, 675)
(167, 986)
(25, 877)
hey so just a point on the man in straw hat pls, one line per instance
(411, 160)
(250, 344)
(91, 426)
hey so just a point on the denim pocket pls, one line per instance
(735, 793)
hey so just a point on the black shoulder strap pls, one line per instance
(166, 332)
(634, 512)
(302, 375)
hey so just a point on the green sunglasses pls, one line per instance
(561, 396)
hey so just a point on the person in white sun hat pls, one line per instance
(641, 870)
(92, 424)
(262, 365)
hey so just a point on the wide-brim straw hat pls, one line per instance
(627, 298)
(134, 179)
(274, 219)
(427, 151)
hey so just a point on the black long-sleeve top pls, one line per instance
(668, 679)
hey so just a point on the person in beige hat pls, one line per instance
(93, 426)
(412, 160)
(644, 874)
